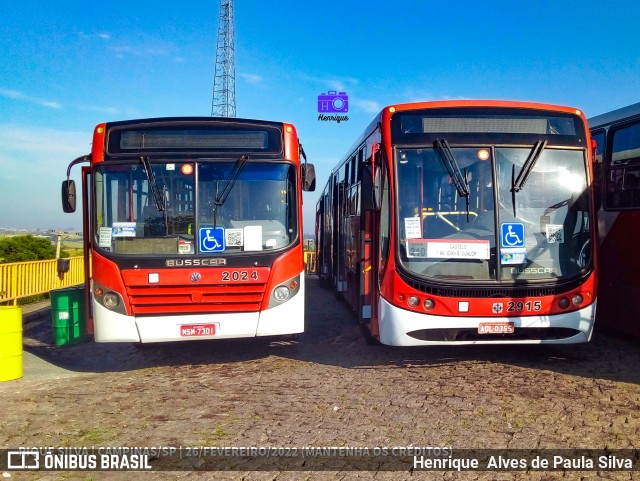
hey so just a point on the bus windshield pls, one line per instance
(499, 230)
(165, 210)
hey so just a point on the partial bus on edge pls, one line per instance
(617, 134)
(464, 222)
(193, 227)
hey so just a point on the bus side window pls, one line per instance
(622, 181)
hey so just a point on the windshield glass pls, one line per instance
(541, 231)
(140, 212)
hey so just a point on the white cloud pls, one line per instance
(101, 110)
(20, 96)
(251, 78)
(369, 106)
(341, 84)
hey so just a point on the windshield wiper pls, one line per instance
(528, 165)
(159, 199)
(237, 170)
(518, 183)
(443, 150)
(450, 163)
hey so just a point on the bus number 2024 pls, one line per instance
(239, 276)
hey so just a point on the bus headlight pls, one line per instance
(281, 293)
(111, 300)
(429, 304)
(413, 301)
(284, 292)
(576, 300)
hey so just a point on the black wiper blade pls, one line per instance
(159, 199)
(237, 170)
(449, 161)
(534, 155)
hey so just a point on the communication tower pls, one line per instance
(224, 79)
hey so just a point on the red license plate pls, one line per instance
(496, 328)
(195, 330)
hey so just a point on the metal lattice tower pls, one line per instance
(224, 80)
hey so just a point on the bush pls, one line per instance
(24, 248)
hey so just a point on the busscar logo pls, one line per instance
(333, 102)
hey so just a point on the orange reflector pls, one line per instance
(187, 169)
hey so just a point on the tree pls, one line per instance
(26, 248)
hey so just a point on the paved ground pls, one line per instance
(328, 389)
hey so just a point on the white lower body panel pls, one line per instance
(395, 323)
(287, 318)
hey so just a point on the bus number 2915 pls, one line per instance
(518, 306)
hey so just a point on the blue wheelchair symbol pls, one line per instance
(512, 235)
(211, 239)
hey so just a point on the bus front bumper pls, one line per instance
(400, 327)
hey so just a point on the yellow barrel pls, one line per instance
(10, 343)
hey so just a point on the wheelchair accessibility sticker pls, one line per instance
(211, 239)
(512, 235)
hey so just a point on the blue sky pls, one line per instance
(69, 65)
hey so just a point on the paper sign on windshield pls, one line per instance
(448, 249)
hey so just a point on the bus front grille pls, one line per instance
(154, 300)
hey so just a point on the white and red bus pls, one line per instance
(464, 222)
(617, 134)
(194, 229)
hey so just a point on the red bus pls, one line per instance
(194, 229)
(617, 134)
(464, 222)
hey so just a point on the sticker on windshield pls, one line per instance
(555, 233)
(234, 237)
(448, 249)
(412, 227)
(104, 239)
(124, 229)
(513, 255)
(211, 239)
(512, 234)
(185, 246)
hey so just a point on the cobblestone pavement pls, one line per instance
(328, 389)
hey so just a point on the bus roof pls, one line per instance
(625, 113)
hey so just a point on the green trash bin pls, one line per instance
(67, 315)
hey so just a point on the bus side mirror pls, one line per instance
(308, 177)
(377, 175)
(377, 188)
(68, 196)
(63, 267)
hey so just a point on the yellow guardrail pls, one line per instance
(24, 279)
(310, 261)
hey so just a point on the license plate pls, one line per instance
(195, 330)
(496, 328)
